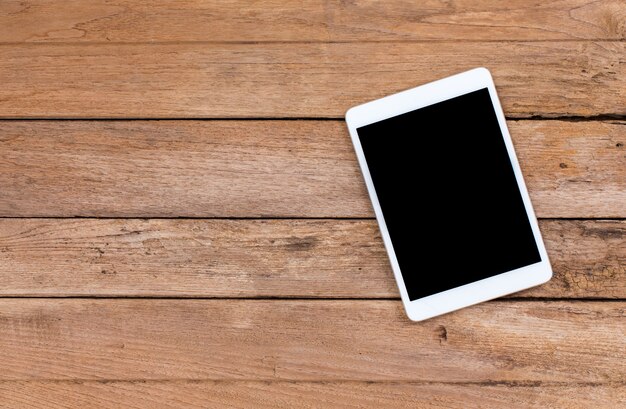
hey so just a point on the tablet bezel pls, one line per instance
(477, 291)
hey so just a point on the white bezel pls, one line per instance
(478, 291)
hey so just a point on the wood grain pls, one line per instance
(246, 394)
(212, 80)
(262, 258)
(270, 20)
(192, 333)
(268, 168)
(42, 339)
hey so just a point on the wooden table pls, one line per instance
(184, 224)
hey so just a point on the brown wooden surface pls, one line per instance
(262, 258)
(271, 20)
(268, 168)
(244, 394)
(279, 208)
(313, 340)
(580, 78)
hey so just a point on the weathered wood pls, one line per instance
(310, 340)
(269, 20)
(288, 59)
(264, 258)
(185, 80)
(267, 168)
(573, 159)
(277, 394)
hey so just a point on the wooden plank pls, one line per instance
(246, 394)
(289, 20)
(43, 339)
(209, 80)
(262, 258)
(267, 168)
(577, 152)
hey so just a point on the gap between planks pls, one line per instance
(268, 218)
(295, 42)
(514, 384)
(565, 118)
(513, 298)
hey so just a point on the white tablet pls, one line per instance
(448, 194)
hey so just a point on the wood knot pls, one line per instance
(301, 243)
(442, 334)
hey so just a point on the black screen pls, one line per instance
(442, 174)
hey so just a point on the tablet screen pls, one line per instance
(444, 179)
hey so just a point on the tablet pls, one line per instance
(448, 194)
